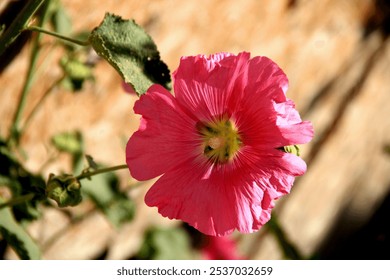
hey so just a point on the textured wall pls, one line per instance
(336, 55)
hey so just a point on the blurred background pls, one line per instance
(336, 54)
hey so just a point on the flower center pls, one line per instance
(221, 140)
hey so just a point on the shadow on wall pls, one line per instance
(350, 239)
(379, 19)
(370, 241)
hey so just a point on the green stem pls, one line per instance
(40, 102)
(17, 26)
(17, 200)
(62, 37)
(289, 249)
(14, 134)
(99, 171)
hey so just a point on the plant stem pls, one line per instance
(37, 106)
(14, 134)
(62, 37)
(17, 200)
(290, 250)
(17, 26)
(99, 171)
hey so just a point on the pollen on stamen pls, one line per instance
(215, 142)
(221, 140)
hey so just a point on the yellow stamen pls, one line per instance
(221, 140)
(215, 142)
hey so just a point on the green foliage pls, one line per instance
(104, 190)
(15, 29)
(16, 236)
(74, 63)
(21, 182)
(70, 142)
(165, 244)
(76, 72)
(131, 51)
(27, 191)
(60, 19)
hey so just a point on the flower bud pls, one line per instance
(65, 189)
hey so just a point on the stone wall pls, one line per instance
(337, 57)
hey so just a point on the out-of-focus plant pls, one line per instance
(136, 59)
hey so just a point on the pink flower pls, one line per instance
(220, 248)
(216, 143)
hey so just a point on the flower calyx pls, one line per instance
(65, 189)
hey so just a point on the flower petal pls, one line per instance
(267, 123)
(272, 170)
(300, 133)
(206, 84)
(266, 80)
(220, 248)
(257, 116)
(290, 125)
(166, 137)
(284, 168)
(216, 205)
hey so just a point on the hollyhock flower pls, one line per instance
(217, 142)
(220, 248)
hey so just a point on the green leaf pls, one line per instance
(120, 210)
(131, 51)
(16, 236)
(75, 69)
(76, 72)
(165, 244)
(21, 182)
(60, 19)
(70, 142)
(104, 190)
